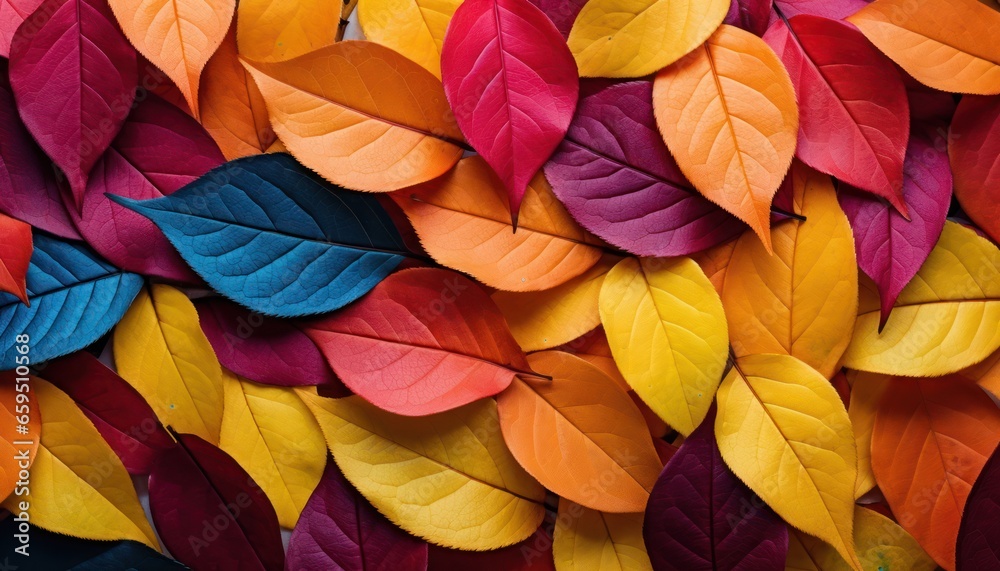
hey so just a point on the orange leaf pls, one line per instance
(715, 261)
(15, 256)
(361, 115)
(986, 373)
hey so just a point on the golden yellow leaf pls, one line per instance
(270, 30)
(586, 539)
(944, 320)
(161, 350)
(448, 478)
(781, 426)
(633, 38)
(801, 299)
(271, 433)
(412, 27)
(668, 335)
(866, 390)
(79, 487)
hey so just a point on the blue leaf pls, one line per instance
(273, 236)
(75, 299)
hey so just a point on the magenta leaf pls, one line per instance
(512, 84)
(617, 179)
(978, 535)
(562, 12)
(262, 348)
(12, 14)
(159, 150)
(751, 15)
(890, 249)
(210, 513)
(339, 529)
(834, 9)
(702, 517)
(118, 411)
(74, 78)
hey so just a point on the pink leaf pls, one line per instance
(12, 14)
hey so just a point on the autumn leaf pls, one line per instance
(277, 31)
(413, 27)
(589, 539)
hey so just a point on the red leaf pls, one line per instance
(854, 119)
(120, 414)
(974, 146)
(423, 341)
(210, 513)
(12, 14)
(15, 254)
(512, 83)
(74, 77)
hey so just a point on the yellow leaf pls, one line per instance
(273, 435)
(270, 30)
(412, 27)
(633, 38)
(866, 390)
(667, 332)
(448, 478)
(800, 301)
(784, 431)
(161, 350)
(944, 320)
(79, 487)
(177, 36)
(586, 539)
(15, 408)
(546, 319)
(361, 115)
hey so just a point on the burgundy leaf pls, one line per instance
(512, 84)
(12, 14)
(617, 179)
(751, 15)
(263, 349)
(854, 119)
(562, 12)
(926, 103)
(891, 249)
(74, 78)
(120, 414)
(339, 529)
(974, 146)
(979, 536)
(834, 9)
(210, 513)
(702, 517)
(532, 554)
(159, 150)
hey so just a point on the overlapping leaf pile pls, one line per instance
(429, 300)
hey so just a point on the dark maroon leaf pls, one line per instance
(751, 15)
(928, 104)
(532, 554)
(979, 535)
(562, 12)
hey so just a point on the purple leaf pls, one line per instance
(890, 249)
(751, 15)
(210, 513)
(833, 9)
(263, 349)
(339, 529)
(702, 517)
(562, 12)
(617, 179)
(120, 414)
(979, 536)
(74, 77)
(159, 150)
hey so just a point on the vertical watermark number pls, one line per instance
(23, 444)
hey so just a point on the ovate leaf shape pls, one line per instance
(546, 319)
(938, 42)
(799, 299)
(232, 107)
(667, 331)
(159, 150)
(974, 149)
(463, 221)
(270, 234)
(339, 529)
(513, 85)
(866, 390)
(118, 411)
(854, 118)
(74, 299)
(606, 459)
(618, 180)
(209, 512)
(78, 486)
(15, 256)
(178, 36)
(729, 117)
(161, 351)
(361, 115)
(588, 539)
(751, 15)
(781, 426)
(977, 542)
(413, 27)
(12, 14)
(482, 499)
(619, 38)
(702, 517)
(930, 441)
(273, 436)
(890, 249)
(263, 349)
(423, 341)
(943, 321)
(19, 450)
(275, 31)
(832, 9)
